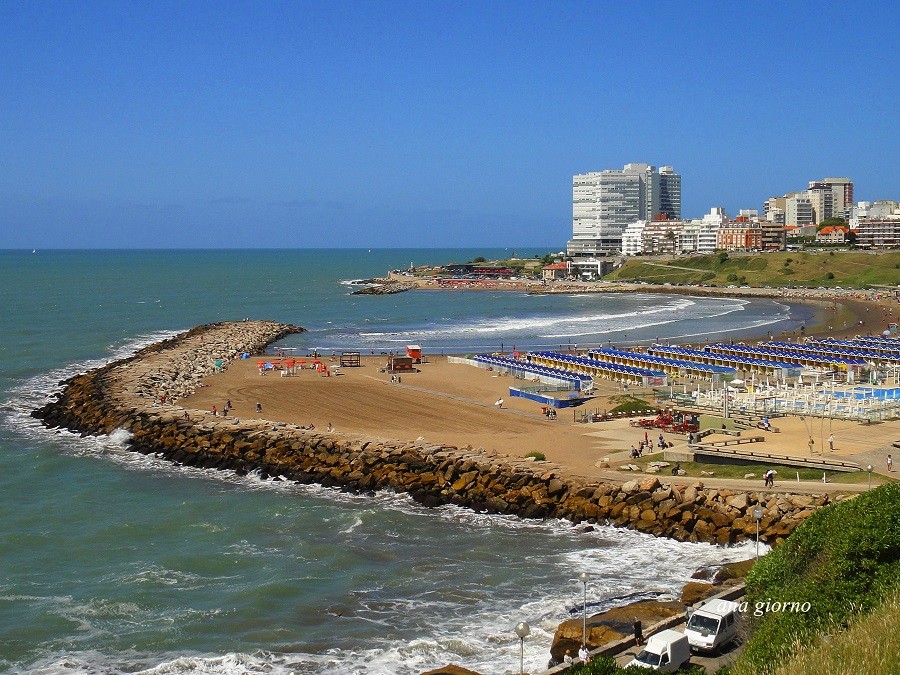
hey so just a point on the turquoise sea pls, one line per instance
(112, 562)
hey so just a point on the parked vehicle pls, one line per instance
(712, 626)
(665, 652)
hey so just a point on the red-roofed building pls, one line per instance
(559, 270)
(832, 234)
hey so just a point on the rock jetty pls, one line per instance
(139, 394)
(386, 287)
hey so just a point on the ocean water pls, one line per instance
(112, 562)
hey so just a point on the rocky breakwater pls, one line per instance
(150, 382)
(387, 287)
(139, 394)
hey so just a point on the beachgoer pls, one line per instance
(398, 379)
(691, 438)
(583, 654)
(890, 463)
(259, 407)
(228, 405)
(499, 403)
(214, 411)
(638, 632)
(634, 453)
(769, 478)
(811, 443)
(567, 659)
(831, 442)
(330, 427)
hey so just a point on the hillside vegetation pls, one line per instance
(871, 645)
(856, 269)
(841, 564)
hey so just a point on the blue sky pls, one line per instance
(308, 124)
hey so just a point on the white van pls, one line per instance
(713, 625)
(666, 652)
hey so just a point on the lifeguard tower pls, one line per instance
(414, 352)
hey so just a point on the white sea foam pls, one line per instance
(468, 626)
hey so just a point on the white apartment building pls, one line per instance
(799, 210)
(827, 198)
(882, 209)
(605, 202)
(633, 238)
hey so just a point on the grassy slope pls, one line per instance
(850, 269)
(871, 645)
(844, 561)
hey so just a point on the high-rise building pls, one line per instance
(837, 197)
(605, 202)
(669, 193)
(799, 210)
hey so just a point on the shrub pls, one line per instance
(842, 560)
(626, 403)
(830, 275)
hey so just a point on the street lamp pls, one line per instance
(523, 630)
(869, 469)
(757, 513)
(583, 578)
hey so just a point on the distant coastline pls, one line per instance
(839, 313)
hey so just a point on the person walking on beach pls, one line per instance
(811, 443)
(769, 478)
(890, 463)
(259, 407)
(831, 442)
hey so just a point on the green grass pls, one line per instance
(844, 561)
(855, 269)
(870, 645)
(626, 403)
(786, 474)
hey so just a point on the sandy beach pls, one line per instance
(455, 404)
(839, 314)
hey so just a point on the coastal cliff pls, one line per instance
(139, 394)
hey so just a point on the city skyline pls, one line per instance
(321, 125)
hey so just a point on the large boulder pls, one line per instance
(611, 625)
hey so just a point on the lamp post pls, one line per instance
(583, 578)
(869, 469)
(757, 513)
(523, 630)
